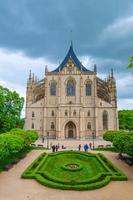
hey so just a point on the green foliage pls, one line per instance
(15, 141)
(130, 65)
(94, 170)
(125, 119)
(124, 143)
(10, 109)
(10, 144)
(33, 135)
(22, 133)
(113, 149)
(109, 135)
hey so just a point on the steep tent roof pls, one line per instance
(71, 55)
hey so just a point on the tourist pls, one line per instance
(90, 145)
(79, 147)
(56, 147)
(53, 148)
(86, 147)
(43, 138)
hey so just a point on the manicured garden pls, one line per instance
(73, 170)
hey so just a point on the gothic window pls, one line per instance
(52, 113)
(89, 125)
(88, 113)
(53, 88)
(33, 114)
(70, 88)
(88, 89)
(65, 112)
(32, 126)
(105, 120)
(52, 125)
(74, 113)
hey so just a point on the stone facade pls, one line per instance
(71, 101)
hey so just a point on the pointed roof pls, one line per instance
(71, 55)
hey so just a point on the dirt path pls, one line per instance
(12, 187)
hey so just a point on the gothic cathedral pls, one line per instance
(71, 102)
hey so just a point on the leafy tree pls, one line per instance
(11, 105)
(10, 144)
(109, 135)
(33, 135)
(124, 143)
(125, 119)
(130, 65)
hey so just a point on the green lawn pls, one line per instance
(73, 170)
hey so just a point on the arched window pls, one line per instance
(89, 125)
(52, 113)
(105, 120)
(88, 113)
(53, 88)
(33, 114)
(70, 88)
(52, 125)
(65, 112)
(74, 113)
(32, 126)
(88, 89)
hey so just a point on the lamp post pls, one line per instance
(93, 137)
(47, 140)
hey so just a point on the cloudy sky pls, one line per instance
(35, 33)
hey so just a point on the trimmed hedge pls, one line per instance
(109, 135)
(96, 171)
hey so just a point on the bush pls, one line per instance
(109, 135)
(124, 143)
(32, 135)
(10, 144)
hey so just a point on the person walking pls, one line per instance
(90, 145)
(79, 147)
(53, 148)
(56, 147)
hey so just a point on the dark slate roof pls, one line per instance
(71, 55)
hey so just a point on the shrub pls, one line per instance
(109, 135)
(10, 144)
(33, 135)
(124, 143)
(22, 133)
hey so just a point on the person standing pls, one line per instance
(79, 147)
(90, 145)
(53, 148)
(56, 147)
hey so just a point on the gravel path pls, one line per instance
(12, 187)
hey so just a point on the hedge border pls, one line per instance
(98, 181)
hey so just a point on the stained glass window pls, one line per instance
(53, 88)
(105, 120)
(88, 89)
(70, 88)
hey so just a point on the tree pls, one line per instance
(109, 135)
(124, 143)
(11, 105)
(125, 119)
(130, 65)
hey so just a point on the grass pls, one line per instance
(91, 171)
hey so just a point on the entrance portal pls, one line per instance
(70, 130)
